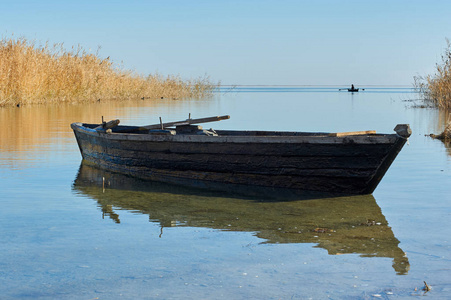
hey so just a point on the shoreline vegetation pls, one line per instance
(32, 74)
(445, 135)
(436, 89)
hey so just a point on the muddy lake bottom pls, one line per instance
(66, 235)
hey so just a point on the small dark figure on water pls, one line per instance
(352, 87)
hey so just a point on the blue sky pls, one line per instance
(248, 42)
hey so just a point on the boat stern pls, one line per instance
(403, 130)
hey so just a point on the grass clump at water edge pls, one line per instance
(32, 74)
(436, 89)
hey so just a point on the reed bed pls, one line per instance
(32, 74)
(445, 135)
(436, 89)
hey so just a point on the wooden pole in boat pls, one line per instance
(185, 122)
(162, 125)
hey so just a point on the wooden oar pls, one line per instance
(186, 122)
(162, 125)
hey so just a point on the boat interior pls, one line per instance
(198, 130)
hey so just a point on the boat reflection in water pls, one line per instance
(339, 225)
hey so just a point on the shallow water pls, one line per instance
(66, 234)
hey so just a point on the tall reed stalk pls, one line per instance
(44, 74)
(436, 88)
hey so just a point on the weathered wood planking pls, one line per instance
(350, 164)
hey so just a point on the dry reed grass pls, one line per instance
(436, 88)
(445, 135)
(43, 74)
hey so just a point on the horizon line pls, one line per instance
(318, 85)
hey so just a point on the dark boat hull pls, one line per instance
(302, 161)
(353, 90)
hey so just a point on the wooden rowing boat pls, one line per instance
(184, 153)
(353, 90)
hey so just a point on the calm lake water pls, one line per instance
(65, 235)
